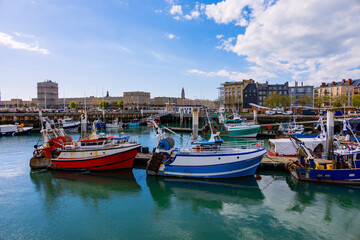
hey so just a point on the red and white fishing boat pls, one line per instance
(150, 121)
(99, 152)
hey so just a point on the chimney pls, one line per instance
(343, 81)
(349, 81)
(302, 84)
(333, 83)
(323, 84)
(296, 83)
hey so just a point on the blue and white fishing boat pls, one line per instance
(296, 130)
(204, 158)
(343, 169)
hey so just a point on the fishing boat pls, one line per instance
(295, 130)
(14, 130)
(97, 152)
(115, 125)
(134, 123)
(236, 127)
(150, 120)
(285, 147)
(68, 124)
(349, 132)
(99, 124)
(204, 158)
(344, 167)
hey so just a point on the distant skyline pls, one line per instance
(162, 46)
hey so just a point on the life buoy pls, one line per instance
(259, 145)
(231, 125)
(198, 148)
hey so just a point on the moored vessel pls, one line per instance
(204, 158)
(97, 152)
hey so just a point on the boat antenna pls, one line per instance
(207, 116)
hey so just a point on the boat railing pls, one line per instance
(224, 148)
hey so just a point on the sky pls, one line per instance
(160, 46)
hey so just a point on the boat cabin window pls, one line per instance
(357, 156)
(92, 143)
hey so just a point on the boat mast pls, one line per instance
(84, 125)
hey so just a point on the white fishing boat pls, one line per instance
(14, 130)
(115, 125)
(285, 147)
(204, 158)
(68, 124)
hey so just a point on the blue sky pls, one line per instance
(162, 46)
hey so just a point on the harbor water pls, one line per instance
(129, 205)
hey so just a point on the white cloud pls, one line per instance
(308, 40)
(232, 11)
(8, 41)
(194, 14)
(254, 73)
(219, 36)
(176, 10)
(171, 36)
(24, 35)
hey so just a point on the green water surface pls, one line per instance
(129, 205)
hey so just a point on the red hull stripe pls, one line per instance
(105, 165)
(120, 160)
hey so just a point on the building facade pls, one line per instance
(298, 91)
(136, 100)
(250, 94)
(221, 96)
(47, 94)
(233, 94)
(334, 89)
(265, 89)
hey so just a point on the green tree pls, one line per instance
(103, 104)
(121, 103)
(273, 100)
(114, 105)
(321, 101)
(303, 100)
(285, 101)
(356, 101)
(72, 104)
(339, 101)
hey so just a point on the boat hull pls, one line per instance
(340, 176)
(212, 166)
(95, 160)
(311, 135)
(71, 128)
(244, 132)
(274, 154)
(17, 133)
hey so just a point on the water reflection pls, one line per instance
(88, 186)
(210, 194)
(308, 194)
